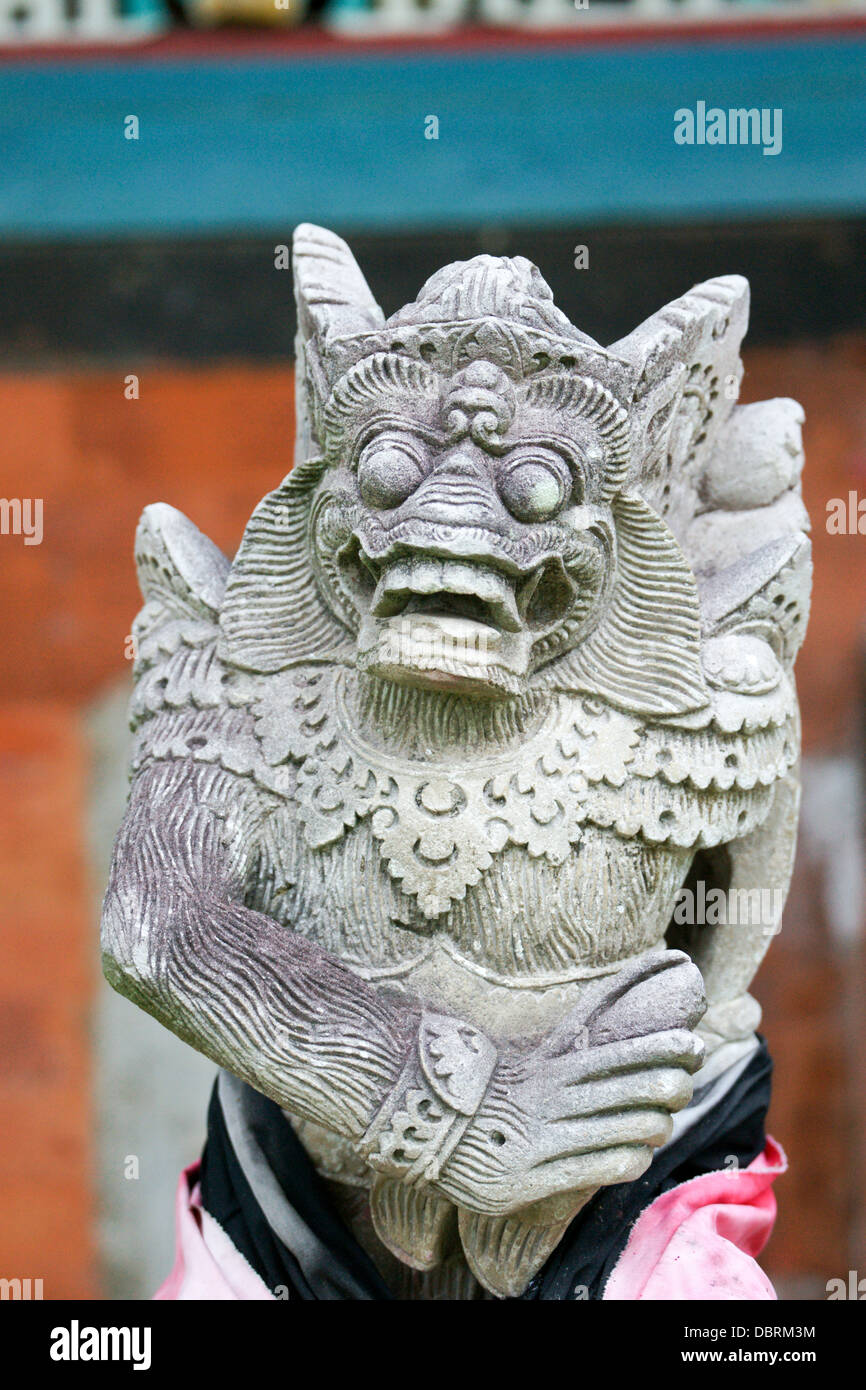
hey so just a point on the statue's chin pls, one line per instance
(445, 652)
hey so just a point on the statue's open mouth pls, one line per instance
(430, 586)
(462, 625)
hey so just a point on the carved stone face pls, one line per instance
(458, 530)
(485, 502)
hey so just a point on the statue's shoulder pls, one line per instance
(182, 576)
(187, 704)
(707, 776)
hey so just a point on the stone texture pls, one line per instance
(418, 776)
(151, 1091)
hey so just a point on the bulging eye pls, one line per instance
(535, 488)
(388, 471)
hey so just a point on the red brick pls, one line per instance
(46, 979)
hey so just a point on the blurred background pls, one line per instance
(155, 156)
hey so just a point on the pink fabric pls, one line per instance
(206, 1263)
(698, 1241)
(701, 1239)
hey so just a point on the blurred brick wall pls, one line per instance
(212, 442)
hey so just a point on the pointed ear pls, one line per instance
(645, 654)
(178, 567)
(334, 301)
(688, 359)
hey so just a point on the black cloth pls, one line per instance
(732, 1129)
(226, 1193)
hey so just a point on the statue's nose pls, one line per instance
(458, 491)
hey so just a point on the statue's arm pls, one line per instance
(750, 550)
(756, 871)
(257, 998)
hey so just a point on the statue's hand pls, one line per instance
(585, 1107)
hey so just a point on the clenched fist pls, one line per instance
(585, 1107)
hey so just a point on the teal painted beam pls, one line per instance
(527, 134)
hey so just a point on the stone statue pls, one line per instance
(500, 669)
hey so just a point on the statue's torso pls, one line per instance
(463, 865)
(486, 861)
(492, 867)
(513, 951)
